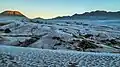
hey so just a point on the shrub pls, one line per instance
(113, 41)
(57, 44)
(57, 38)
(85, 44)
(7, 30)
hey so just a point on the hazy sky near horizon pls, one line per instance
(53, 8)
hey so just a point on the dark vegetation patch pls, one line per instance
(60, 41)
(57, 44)
(1, 30)
(79, 45)
(60, 29)
(27, 42)
(79, 23)
(7, 30)
(57, 38)
(86, 44)
(112, 43)
(2, 24)
(88, 35)
(104, 41)
(67, 22)
(85, 24)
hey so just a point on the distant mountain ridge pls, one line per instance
(87, 15)
(92, 15)
(12, 13)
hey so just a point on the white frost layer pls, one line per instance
(31, 57)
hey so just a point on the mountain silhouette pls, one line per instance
(87, 15)
(92, 15)
(12, 13)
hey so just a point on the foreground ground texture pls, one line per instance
(32, 57)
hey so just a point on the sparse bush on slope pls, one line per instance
(84, 44)
(27, 42)
(7, 30)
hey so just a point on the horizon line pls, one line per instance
(60, 15)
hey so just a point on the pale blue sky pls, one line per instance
(53, 8)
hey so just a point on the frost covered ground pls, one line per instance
(31, 57)
(80, 35)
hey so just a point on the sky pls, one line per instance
(53, 8)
